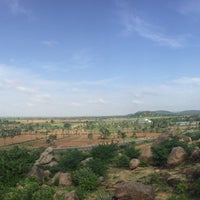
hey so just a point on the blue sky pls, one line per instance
(98, 57)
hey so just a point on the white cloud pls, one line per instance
(42, 98)
(37, 96)
(189, 7)
(16, 7)
(188, 80)
(75, 104)
(50, 43)
(137, 102)
(25, 90)
(133, 23)
(99, 101)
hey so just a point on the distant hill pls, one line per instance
(189, 112)
(144, 114)
(163, 113)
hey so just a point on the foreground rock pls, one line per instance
(62, 179)
(46, 157)
(71, 196)
(146, 154)
(66, 195)
(133, 191)
(134, 163)
(177, 156)
(37, 172)
(195, 155)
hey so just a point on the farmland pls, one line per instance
(109, 144)
(74, 132)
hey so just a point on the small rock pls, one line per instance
(134, 163)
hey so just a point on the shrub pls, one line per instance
(25, 191)
(194, 135)
(70, 160)
(131, 152)
(161, 151)
(98, 167)
(159, 155)
(197, 187)
(104, 152)
(45, 193)
(122, 161)
(14, 164)
(85, 179)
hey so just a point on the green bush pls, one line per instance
(159, 155)
(161, 151)
(122, 161)
(196, 188)
(71, 160)
(98, 167)
(194, 135)
(131, 152)
(14, 164)
(25, 190)
(85, 179)
(45, 193)
(104, 152)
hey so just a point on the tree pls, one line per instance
(105, 132)
(67, 126)
(121, 134)
(51, 139)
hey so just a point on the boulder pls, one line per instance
(195, 156)
(71, 196)
(46, 157)
(177, 156)
(46, 173)
(101, 179)
(184, 138)
(133, 191)
(64, 179)
(193, 172)
(134, 163)
(52, 163)
(146, 154)
(84, 162)
(174, 180)
(37, 172)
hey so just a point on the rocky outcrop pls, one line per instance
(46, 157)
(133, 191)
(37, 172)
(134, 163)
(146, 154)
(177, 156)
(71, 196)
(195, 156)
(62, 179)
(66, 195)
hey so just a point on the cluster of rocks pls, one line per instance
(122, 190)
(60, 179)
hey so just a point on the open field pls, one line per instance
(60, 132)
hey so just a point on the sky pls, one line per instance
(98, 57)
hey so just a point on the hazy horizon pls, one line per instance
(98, 58)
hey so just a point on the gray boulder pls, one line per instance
(134, 163)
(64, 179)
(37, 172)
(46, 157)
(133, 191)
(146, 154)
(177, 156)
